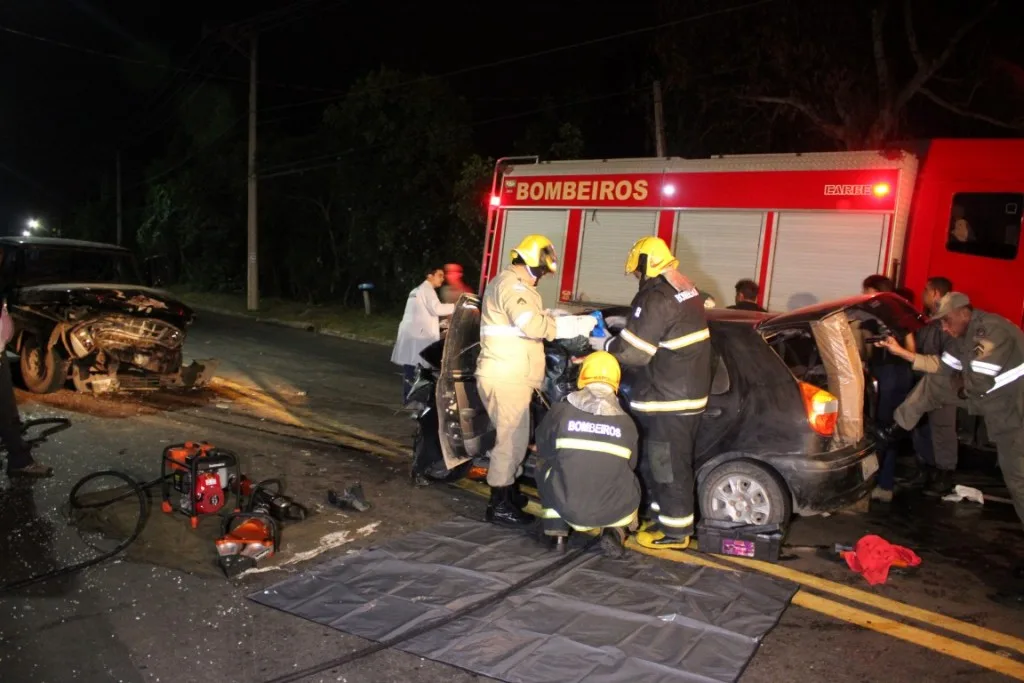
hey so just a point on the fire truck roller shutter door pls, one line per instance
(607, 238)
(820, 256)
(552, 224)
(716, 249)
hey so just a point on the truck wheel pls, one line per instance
(745, 491)
(43, 371)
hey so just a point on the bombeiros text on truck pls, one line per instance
(807, 227)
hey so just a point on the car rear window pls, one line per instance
(798, 350)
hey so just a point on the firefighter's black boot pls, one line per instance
(519, 499)
(940, 485)
(923, 478)
(503, 512)
(613, 541)
(890, 434)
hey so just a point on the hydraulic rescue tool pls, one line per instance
(203, 476)
(254, 535)
(269, 493)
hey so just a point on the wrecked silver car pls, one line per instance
(81, 312)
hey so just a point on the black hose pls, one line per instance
(59, 425)
(426, 628)
(135, 488)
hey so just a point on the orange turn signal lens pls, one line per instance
(822, 409)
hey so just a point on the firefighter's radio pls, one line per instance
(202, 476)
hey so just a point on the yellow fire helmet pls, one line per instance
(659, 257)
(537, 252)
(600, 366)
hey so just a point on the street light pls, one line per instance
(33, 224)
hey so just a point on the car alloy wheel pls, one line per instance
(745, 492)
(741, 499)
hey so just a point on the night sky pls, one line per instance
(64, 111)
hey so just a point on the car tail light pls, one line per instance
(822, 409)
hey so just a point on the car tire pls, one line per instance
(43, 371)
(758, 494)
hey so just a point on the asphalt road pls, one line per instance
(353, 381)
(163, 613)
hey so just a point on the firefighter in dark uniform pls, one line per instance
(587, 450)
(665, 347)
(981, 368)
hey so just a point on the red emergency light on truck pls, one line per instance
(807, 227)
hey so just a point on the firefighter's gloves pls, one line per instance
(572, 326)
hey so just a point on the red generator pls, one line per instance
(202, 476)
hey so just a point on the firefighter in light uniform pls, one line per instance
(587, 451)
(666, 340)
(981, 369)
(513, 327)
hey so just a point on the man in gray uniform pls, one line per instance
(936, 439)
(981, 368)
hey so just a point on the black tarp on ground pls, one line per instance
(597, 619)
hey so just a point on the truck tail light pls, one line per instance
(495, 200)
(822, 409)
(881, 189)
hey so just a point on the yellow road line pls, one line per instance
(880, 624)
(912, 634)
(902, 609)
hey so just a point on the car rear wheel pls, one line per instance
(43, 371)
(745, 491)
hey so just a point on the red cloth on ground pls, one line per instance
(872, 557)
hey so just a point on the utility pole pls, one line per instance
(659, 122)
(119, 227)
(253, 280)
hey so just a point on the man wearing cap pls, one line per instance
(980, 368)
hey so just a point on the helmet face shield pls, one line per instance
(547, 260)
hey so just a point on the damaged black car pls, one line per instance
(784, 430)
(82, 311)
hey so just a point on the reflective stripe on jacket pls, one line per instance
(667, 343)
(513, 325)
(586, 465)
(990, 355)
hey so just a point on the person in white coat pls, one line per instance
(420, 326)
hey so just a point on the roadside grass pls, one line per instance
(380, 327)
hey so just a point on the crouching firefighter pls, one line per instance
(587, 451)
(666, 346)
(513, 327)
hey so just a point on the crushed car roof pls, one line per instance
(59, 242)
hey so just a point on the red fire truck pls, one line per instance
(807, 227)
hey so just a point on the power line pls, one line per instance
(540, 53)
(194, 153)
(276, 18)
(157, 65)
(176, 107)
(292, 167)
(288, 168)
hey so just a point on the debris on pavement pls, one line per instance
(351, 499)
(961, 492)
(873, 556)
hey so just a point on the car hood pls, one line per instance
(892, 309)
(133, 299)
